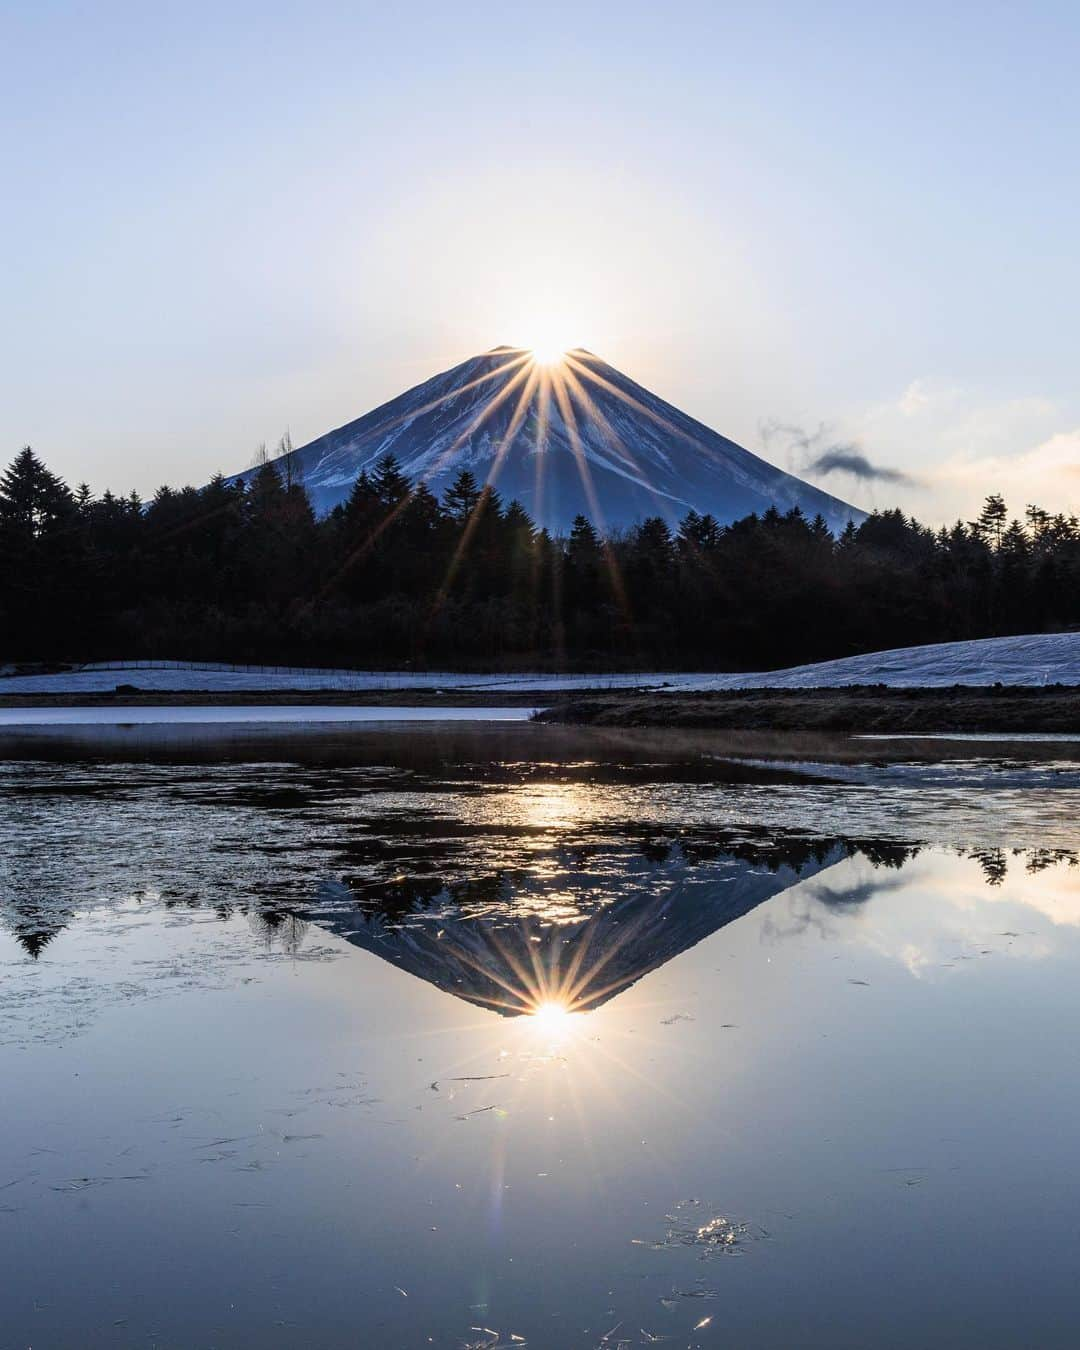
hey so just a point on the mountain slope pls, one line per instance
(576, 436)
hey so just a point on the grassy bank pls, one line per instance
(866, 710)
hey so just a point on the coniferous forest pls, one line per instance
(246, 573)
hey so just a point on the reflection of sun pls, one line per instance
(552, 1016)
(551, 805)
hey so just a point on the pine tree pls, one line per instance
(362, 502)
(461, 497)
(698, 534)
(992, 520)
(390, 484)
(33, 501)
(265, 495)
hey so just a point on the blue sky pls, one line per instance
(222, 221)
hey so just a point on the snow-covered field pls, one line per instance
(1052, 658)
(1036, 659)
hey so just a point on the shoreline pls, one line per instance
(274, 698)
(853, 711)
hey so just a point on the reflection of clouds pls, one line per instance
(815, 903)
(953, 917)
(858, 893)
(1054, 896)
(914, 959)
(956, 911)
(1047, 885)
(957, 950)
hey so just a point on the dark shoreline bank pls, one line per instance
(858, 710)
(855, 710)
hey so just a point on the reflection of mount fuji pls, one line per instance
(508, 948)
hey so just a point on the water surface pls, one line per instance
(299, 715)
(430, 1043)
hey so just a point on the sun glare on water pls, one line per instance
(551, 1016)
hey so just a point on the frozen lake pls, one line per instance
(425, 1041)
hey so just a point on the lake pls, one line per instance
(514, 1036)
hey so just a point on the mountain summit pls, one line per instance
(564, 437)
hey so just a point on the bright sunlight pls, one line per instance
(548, 354)
(552, 1016)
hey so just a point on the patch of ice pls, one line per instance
(14, 717)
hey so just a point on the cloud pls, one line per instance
(938, 448)
(815, 453)
(956, 443)
(850, 459)
(1047, 474)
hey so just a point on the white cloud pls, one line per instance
(1047, 474)
(961, 444)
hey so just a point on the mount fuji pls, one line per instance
(564, 437)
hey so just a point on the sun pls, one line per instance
(548, 353)
(549, 336)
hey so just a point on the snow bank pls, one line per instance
(1049, 658)
(1035, 659)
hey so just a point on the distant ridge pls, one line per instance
(572, 437)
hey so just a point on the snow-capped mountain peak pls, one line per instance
(565, 437)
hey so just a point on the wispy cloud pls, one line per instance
(815, 452)
(850, 459)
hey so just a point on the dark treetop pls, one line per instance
(246, 572)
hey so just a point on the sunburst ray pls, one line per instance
(614, 441)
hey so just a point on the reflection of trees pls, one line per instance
(563, 883)
(395, 898)
(1039, 859)
(994, 864)
(995, 861)
(278, 928)
(35, 923)
(33, 942)
(587, 922)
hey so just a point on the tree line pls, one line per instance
(245, 572)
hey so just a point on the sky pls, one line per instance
(812, 226)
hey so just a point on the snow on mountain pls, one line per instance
(573, 437)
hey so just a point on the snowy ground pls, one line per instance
(1031, 660)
